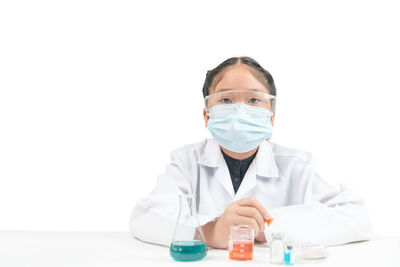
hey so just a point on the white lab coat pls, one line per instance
(306, 209)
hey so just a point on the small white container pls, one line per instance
(277, 248)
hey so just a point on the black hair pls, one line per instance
(269, 81)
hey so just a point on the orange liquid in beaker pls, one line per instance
(241, 250)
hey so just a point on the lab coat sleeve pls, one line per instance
(154, 217)
(330, 215)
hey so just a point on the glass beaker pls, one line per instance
(241, 241)
(188, 243)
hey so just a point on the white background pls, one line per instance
(95, 94)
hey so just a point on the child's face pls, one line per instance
(237, 77)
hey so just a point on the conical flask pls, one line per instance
(188, 243)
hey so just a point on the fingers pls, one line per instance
(252, 213)
(246, 211)
(248, 221)
(252, 202)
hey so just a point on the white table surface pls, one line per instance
(56, 249)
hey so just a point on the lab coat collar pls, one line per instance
(211, 156)
(265, 161)
(265, 165)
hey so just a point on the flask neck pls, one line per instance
(188, 205)
(188, 225)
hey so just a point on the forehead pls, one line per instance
(239, 77)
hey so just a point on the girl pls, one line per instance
(242, 178)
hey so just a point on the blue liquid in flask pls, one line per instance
(188, 250)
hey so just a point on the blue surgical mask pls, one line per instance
(239, 127)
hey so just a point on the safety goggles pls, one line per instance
(249, 97)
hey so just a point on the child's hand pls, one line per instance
(245, 211)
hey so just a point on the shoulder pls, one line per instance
(189, 151)
(191, 148)
(291, 154)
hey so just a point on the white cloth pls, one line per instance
(306, 209)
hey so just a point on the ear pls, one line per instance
(206, 117)
(272, 119)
